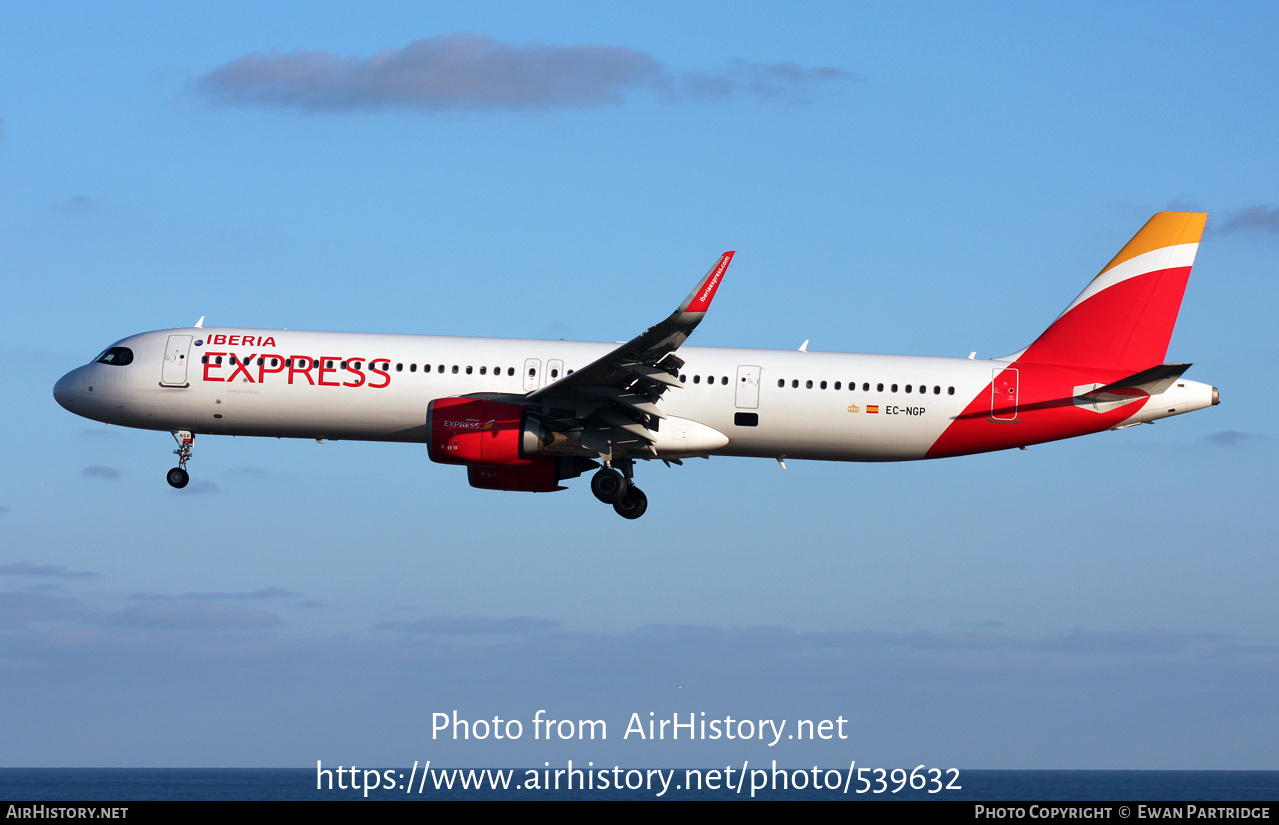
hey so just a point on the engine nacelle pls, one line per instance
(477, 431)
(540, 475)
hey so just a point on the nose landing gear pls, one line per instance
(178, 476)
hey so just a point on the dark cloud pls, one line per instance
(264, 593)
(469, 71)
(18, 608)
(77, 204)
(472, 625)
(989, 624)
(99, 471)
(26, 568)
(195, 615)
(1253, 219)
(1086, 643)
(201, 487)
(1231, 438)
(789, 81)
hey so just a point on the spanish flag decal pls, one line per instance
(872, 408)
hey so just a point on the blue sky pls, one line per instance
(930, 179)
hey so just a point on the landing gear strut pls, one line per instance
(178, 477)
(615, 487)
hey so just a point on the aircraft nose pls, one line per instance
(64, 390)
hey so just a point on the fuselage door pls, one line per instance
(1003, 395)
(554, 370)
(174, 371)
(532, 374)
(748, 388)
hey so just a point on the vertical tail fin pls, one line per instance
(1124, 317)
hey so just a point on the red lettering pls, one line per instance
(209, 364)
(352, 366)
(263, 369)
(268, 341)
(327, 359)
(296, 369)
(233, 340)
(241, 366)
(217, 339)
(385, 375)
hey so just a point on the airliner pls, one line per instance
(527, 414)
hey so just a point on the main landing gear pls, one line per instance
(615, 487)
(178, 476)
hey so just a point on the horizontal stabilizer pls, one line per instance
(1152, 382)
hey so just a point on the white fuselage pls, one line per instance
(376, 387)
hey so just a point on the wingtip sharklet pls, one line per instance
(699, 300)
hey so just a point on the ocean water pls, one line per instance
(44, 785)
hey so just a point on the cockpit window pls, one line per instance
(116, 357)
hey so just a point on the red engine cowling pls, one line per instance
(540, 475)
(476, 431)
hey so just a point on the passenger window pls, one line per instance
(823, 385)
(950, 390)
(455, 369)
(908, 388)
(697, 379)
(555, 373)
(866, 387)
(836, 385)
(879, 388)
(469, 370)
(894, 388)
(781, 382)
(510, 370)
(724, 380)
(794, 384)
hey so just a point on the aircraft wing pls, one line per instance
(620, 390)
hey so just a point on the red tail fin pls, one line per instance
(1124, 318)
